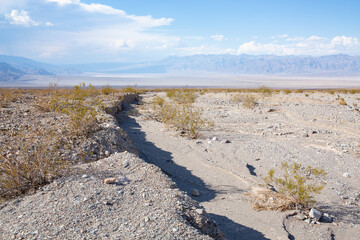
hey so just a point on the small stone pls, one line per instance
(315, 214)
(214, 139)
(326, 218)
(146, 219)
(307, 220)
(174, 229)
(110, 180)
(84, 176)
(305, 135)
(123, 180)
(346, 175)
(300, 216)
(195, 193)
(107, 153)
(198, 142)
(199, 211)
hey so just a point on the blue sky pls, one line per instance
(82, 31)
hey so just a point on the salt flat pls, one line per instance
(192, 80)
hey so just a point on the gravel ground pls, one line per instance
(232, 158)
(142, 204)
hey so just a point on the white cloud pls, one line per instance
(143, 21)
(344, 41)
(280, 36)
(218, 37)
(20, 18)
(49, 24)
(63, 2)
(313, 45)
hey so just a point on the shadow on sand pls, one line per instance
(183, 178)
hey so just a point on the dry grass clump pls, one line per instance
(179, 112)
(33, 160)
(294, 183)
(82, 104)
(182, 96)
(248, 100)
(265, 91)
(287, 91)
(342, 102)
(266, 199)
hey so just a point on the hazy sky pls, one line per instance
(79, 31)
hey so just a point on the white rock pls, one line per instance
(315, 214)
(199, 211)
(346, 174)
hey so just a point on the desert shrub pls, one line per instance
(249, 101)
(129, 89)
(237, 98)
(297, 182)
(107, 90)
(265, 91)
(189, 120)
(299, 91)
(287, 91)
(182, 96)
(180, 114)
(30, 162)
(332, 92)
(342, 102)
(306, 94)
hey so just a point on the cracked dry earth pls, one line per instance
(312, 130)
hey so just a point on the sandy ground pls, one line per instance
(313, 130)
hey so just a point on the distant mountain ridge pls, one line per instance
(15, 68)
(238, 64)
(21, 67)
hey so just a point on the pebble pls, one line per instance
(314, 213)
(195, 193)
(84, 176)
(346, 175)
(199, 211)
(110, 180)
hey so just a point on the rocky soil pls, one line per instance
(139, 202)
(231, 159)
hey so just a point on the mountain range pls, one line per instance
(14, 68)
(236, 64)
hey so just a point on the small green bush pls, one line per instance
(297, 181)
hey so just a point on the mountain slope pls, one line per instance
(32, 67)
(9, 73)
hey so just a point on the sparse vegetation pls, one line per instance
(287, 91)
(265, 91)
(295, 183)
(180, 112)
(32, 155)
(248, 100)
(342, 102)
(32, 161)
